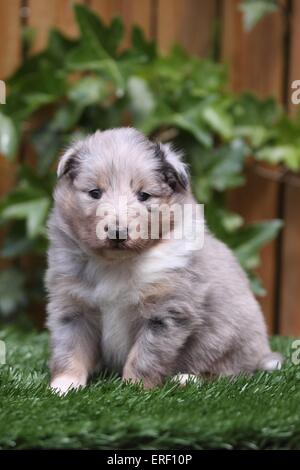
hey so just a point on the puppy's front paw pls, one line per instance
(62, 384)
(131, 377)
(184, 379)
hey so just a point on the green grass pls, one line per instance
(258, 412)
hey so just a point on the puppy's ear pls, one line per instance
(174, 169)
(68, 164)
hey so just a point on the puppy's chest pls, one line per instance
(119, 294)
(118, 301)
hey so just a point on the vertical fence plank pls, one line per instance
(256, 63)
(187, 22)
(10, 54)
(255, 58)
(137, 12)
(44, 15)
(256, 201)
(10, 47)
(290, 298)
(294, 66)
(290, 293)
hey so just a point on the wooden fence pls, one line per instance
(264, 61)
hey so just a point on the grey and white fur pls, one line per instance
(147, 309)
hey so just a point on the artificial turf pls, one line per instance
(260, 412)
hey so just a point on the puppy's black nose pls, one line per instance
(119, 234)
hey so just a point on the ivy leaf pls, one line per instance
(256, 285)
(114, 35)
(140, 45)
(223, 223)
(64, 120)
(141, 98)
(87, 91)
(93, 32)
(16, 247)
(96, 49)
(47, 142)
(39, 84)
(102, 40)
(16, 244)
(84, 59)
(289, 154)
(255, 10)
(221, 168)
(219, 120)
(227, 171)
(191, 121)
(33, 211)
(8, 137)
(251, 238)
(59, 45)
(232, 221)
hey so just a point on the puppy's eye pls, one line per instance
(143, 196)
(95, 193)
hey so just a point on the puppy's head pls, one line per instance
(112, 187)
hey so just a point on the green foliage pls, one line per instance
(74, 87)
(12, 295)
(249, 412)
(8, 136)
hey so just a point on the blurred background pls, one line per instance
(223, 94)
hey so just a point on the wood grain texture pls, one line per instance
(294, 71)
(290, 278)
(10, 48)
(290, 298)
(255, 59)
(45, 14)
(132, 11)
(186, 22)
(257, 201)
(256, 63)
(10, 55)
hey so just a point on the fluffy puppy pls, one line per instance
(147, 307)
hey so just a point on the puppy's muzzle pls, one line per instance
(118, 234)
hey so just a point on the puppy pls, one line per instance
(147, 307)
